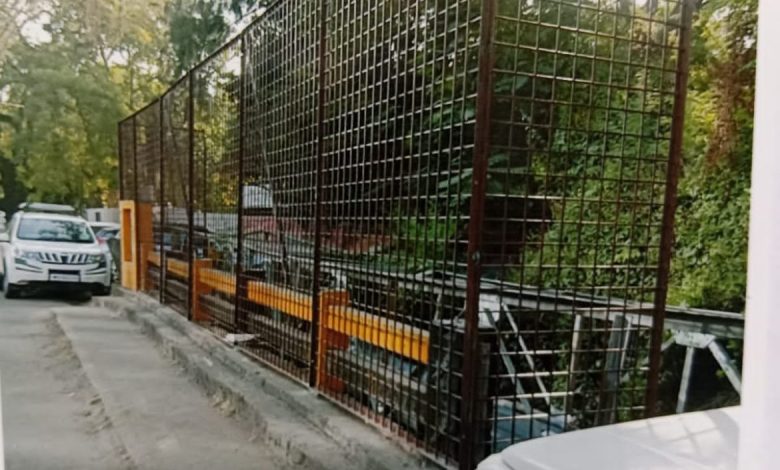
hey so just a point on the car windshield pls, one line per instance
(52, 230)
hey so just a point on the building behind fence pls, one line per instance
(452, 216)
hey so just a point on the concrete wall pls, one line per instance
(102, 214)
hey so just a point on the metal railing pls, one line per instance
(452, 216)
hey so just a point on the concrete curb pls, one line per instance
(312, 431)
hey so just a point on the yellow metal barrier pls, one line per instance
(179, 268)
(292, 303)
(175, 266)
(400, 338)
(154, 258)
(338, 321)
(217, 280)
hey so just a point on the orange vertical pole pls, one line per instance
(329, 339)
(128, 262)
(144, 219)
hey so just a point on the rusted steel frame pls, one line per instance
(469, 427)
(316, 272)
(138, 262)
(191, 192)
(122, 158)
(670, 206)
(161, 197)
(241, 284)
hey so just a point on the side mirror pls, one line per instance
(5, 237)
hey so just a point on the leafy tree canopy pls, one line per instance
(71, 69)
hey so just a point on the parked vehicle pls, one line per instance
(703, 439)
(51, 249)
(105, 230)
(108, 234)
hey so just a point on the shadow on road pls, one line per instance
(69, 297)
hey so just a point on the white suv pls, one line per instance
(44, 249)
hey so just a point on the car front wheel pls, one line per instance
(102, 291)
(11, 291)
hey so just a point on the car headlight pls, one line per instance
(97, 259)
(26, 255)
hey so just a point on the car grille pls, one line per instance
(63, 258)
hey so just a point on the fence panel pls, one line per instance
(149, 195)
(396, 189)
(216, 188)
(581, 124)
(176, 197)
(281, 88)
(127, 159)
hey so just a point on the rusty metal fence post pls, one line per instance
(316, 318)
(161, 199)
(190, 193)
(241, 286)
(670, 206)
(136, 199)
(472, 373)
(120, 145)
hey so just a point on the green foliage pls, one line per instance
(65, 137)
(199, 27)
(577, 170)
(424, 240)
(709, 265)
(69, 88)
(97, 62)
(595, 159)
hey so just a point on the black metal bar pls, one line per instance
(670, 207)
(238, 322)
(317, 271)
(216, 52)
(161, 201)
(149, 105)
(469, 427)
(138, 275)
(122, 158)
(191, 194)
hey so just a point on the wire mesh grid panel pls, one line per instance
(127, 159)
(148, 196)
(581, 124)
(448, 214)
(175, 201)
(216, 154)
(278, 223)
(401, 84)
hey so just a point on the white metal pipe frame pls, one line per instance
(761, 376)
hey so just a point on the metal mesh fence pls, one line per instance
(127, 162)
(278, 226)
(581, 123)
(149, 166)
(452, 216)
(216, 179)
(396, 186)
(176, 196)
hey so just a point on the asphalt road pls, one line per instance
(84, 389)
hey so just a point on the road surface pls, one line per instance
(83, 389)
